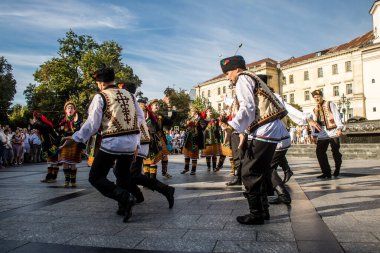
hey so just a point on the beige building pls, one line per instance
(348, 75)
(215, 90)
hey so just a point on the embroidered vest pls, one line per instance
(119, 113)
(324, 116)
(145, 138)
(268, 107)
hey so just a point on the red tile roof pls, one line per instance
(357, 42)
(360, 41)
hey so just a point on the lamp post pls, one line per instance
(344, 105)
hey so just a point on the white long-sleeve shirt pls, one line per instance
(300, 118)
(125, 144)
(325, 133)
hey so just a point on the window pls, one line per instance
(209, 93)
(218, 90)
(291, 79)
(224, 89)
(283, 80)
(335, 69)
(285, 97)
(307, 95)
(203, 94)
(336, 91)
(320, 72)
(373, 80)
(219, 107)
(350, 112)
(306, 75)
(374, 109)
(349, 88)
(348, 66)
(292, 98)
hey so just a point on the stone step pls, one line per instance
(349, 151)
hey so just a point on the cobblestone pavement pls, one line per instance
(339, 215)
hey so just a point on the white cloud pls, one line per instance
(25, 59)
(66, 14)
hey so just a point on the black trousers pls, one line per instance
(257, 166)
(237, 154)
(274, 179)
(321, 150)
(137, 178)
(100, 168)
(140, 179)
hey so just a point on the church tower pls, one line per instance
(375, 12)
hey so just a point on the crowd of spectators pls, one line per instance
(174, 141)
(19, 146)
(301, 134)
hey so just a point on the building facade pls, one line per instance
(348, 75)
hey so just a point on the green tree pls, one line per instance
(8, 89)
(288, 122)
(69, 75)
(181, 100)
(19, 116)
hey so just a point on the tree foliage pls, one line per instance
(8, 89)
(288, 122)
(19, 116)
(69, 75)
(178, 98)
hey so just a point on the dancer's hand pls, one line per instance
(68, 141)
(314, 124)
(242, 139)
(135, 154)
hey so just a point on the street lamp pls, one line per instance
(344, 106)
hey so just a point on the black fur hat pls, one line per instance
(231, 63)
(104, 75)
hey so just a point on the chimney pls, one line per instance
(375, 12)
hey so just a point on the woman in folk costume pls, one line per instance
(50, 143)
(158, 150)
(194, 140)
(225, 143)
(212, 139)
(69, 156)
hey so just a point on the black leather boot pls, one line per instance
(135, 190)
(255, 216)
(167, 191)
(337, 169)
(264, 201)
(128, 207)
(120, 209)
(235, 181)
(287, 175)
(126, 200)
(283, 196)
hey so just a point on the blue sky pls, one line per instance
(177, 43)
